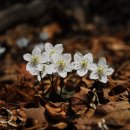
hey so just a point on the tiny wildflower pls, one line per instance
(50, 50)
(101, 71)
(35, 60)
(2, 50)
(83, 63)
(22, 42)
(61, 64)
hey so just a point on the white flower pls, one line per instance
(83, 63)
(61, 64)
(35, 60)
(22, 42)
(50, 50)
(101, 71)
(2, 50)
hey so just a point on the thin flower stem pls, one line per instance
(52, 80)
(41, 83)
(52, 84)
(49, 78)
(80, 79)
(62, 85)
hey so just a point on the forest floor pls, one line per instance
(84, 104)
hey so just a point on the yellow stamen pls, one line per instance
(35, 60)
(84, 64)
(61, 64)
(52, 52)
(100, 71)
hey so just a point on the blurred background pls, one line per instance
(101, 27)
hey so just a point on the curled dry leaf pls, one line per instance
(57, 112)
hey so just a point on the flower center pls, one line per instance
(52, 52)
(61, 65)
(35, 60)
(100, 71)
(84, 64)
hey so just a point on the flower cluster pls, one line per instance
(54, 61)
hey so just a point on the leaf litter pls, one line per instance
(85, 104)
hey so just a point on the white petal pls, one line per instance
(103, 79)
(41, 46)
(89, 57)
(92, 67)
(58, 48)
(76, 65)
(56, 58)
(102, 62)
(44, 58)
(33, 72)
(93, 75)
(40, 67)
(36, 51)
(27, 57)
(51, 69)
(29, 66)
(69, 68)
(82, 72)
(48, 47)
(108, 71)
(67, 58)
(44, 74)
(63, 74)
(78, 57)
